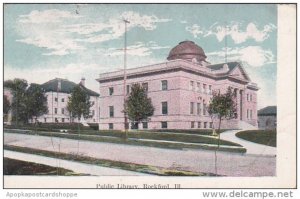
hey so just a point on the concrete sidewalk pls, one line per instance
(228, 164)
(252, 148)
(71, 165)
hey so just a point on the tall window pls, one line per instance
(250, 98)
(111, 111)
(198, 108)
(56, 99)
(93, 112)
(204, 108)
(145, 125)
(62, 119)
(62, 111)
(111, 90)
(164, 125)
(145, 86)
(127, 89)
(192, 124)
(62, 99)
(205, 125)
(199, 125)
(198, 87)
(111, 126)
(250, 114)
(164, 108)
(210, 125)
(55, 110)
(191, 85)
(209, 89)
(247, 113)
(204, 88)
(164, 85)
(191, 108)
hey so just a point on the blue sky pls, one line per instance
(44, 41)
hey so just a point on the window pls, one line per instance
(62, 99)
(145, 125)
(199, 125)
(45, 120)
(191, 108)
(62, 119)
(204, 88)
(198, 87)
(209, 90)
(56, 120)
(247, 113)
(250, 97)
(56, 99)
(191, 85)
(211, 125)
(164, 85)
(164, 125)
(145, 86)
(205, 124)
(250, 114)
(111, 90)
(198, 108)
(62, 111)
(111, 111)
(134, 125)
(55, 110)
(204, 108)
(192, 125)
(164, 108)
(127, 89)
(93, 112)
(111, 126)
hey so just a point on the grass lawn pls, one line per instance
(154, 139)
(154, 170)
(19, 167)
(266, 137)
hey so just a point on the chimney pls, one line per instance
(82, 82)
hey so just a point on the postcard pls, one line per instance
(149, 96)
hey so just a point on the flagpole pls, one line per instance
(125, 75)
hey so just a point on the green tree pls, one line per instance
(36, 101)
(6, 105)
(138, 105)
(79, 103)
(18, 88)
(222, 106)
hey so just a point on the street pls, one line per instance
(228, 164)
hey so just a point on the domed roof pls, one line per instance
(187, 50)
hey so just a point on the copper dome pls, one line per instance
(187, 50)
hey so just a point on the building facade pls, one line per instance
(58, 92)
(9, 95)
(180, 89)
(267, 118)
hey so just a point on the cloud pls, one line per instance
(234, 30)
(138, 49)
(50, 29)
(47, 16)
(148, 22)
(195, 30)
(252, 55)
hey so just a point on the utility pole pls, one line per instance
(125, 76)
